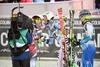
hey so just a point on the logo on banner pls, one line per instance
(95, 12)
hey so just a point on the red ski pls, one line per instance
(64, 41)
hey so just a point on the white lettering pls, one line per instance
(2, 39)
(98, 40)
(56, 43)
(3, 21)
(44, 36)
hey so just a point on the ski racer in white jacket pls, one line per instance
(54, 32)
(87, 42)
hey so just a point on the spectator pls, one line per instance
(97, 4)
(11, 1)
(59, 0)
(38, 0)
(3, 1)
(24, 1)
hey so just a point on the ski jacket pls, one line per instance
(35, 35)
(88, 34)
(53, 30)
(20, 42)
(21, 45)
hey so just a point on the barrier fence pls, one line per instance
(46, 50)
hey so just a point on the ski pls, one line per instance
(63, 60)
(71, 36)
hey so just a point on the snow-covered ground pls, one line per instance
(6, 62)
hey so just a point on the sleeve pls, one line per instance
(86, 39)
(90, 31)
(29, 37)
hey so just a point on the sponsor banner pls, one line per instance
(46, 50)
(4, 22)
(95, 12)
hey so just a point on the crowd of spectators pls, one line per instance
(97, 2)
(16, 1)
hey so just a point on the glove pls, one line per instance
(75, 43)
(73, 39)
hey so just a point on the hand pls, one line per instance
(76, 43)
(73, 39)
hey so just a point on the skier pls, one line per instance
(36, 35)
(48, 19)
(53, 27)
(87, 42)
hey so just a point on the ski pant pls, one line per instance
(60, 58)
(33, 62)
(21, 63)
(88, 54)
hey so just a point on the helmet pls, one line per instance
(49, 15)
(37, 19)
(84, 15)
